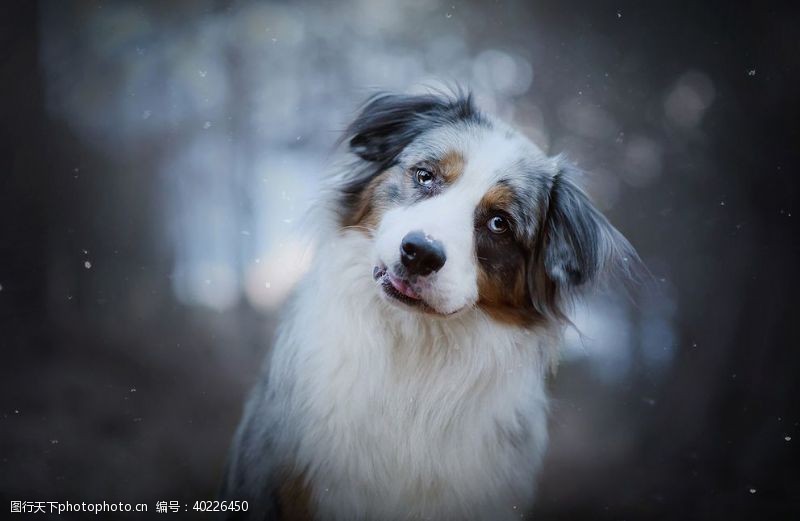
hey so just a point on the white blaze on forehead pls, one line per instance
(449, 217)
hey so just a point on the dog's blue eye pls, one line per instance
(423, 177)
(497, 224)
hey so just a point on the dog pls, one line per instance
(407, 380)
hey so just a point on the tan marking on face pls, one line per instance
(368, 213)
(451, 166)
(505, 300)
(497, 197)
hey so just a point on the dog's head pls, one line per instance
(464, 211)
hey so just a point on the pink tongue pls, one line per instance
(402, 287)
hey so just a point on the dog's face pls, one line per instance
(464, 211)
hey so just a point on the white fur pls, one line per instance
(397, 415)
(446, 218)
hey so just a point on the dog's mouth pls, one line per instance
(400, 289)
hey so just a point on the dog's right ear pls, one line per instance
(388, 123)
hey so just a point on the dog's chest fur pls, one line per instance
(393, 415)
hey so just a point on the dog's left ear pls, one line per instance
(577, 247)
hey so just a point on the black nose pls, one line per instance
(420, 254)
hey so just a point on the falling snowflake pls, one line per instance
(87, 265)
(752, 491)
(751, 72)
(787, 438)
(207, 125)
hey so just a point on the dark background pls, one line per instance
(150, 160)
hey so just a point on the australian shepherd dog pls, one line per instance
(407, 379)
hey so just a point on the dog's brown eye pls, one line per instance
(423, 177)
(497, 224)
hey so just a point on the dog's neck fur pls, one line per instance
(397, 415)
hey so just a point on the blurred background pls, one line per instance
(155, 157)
